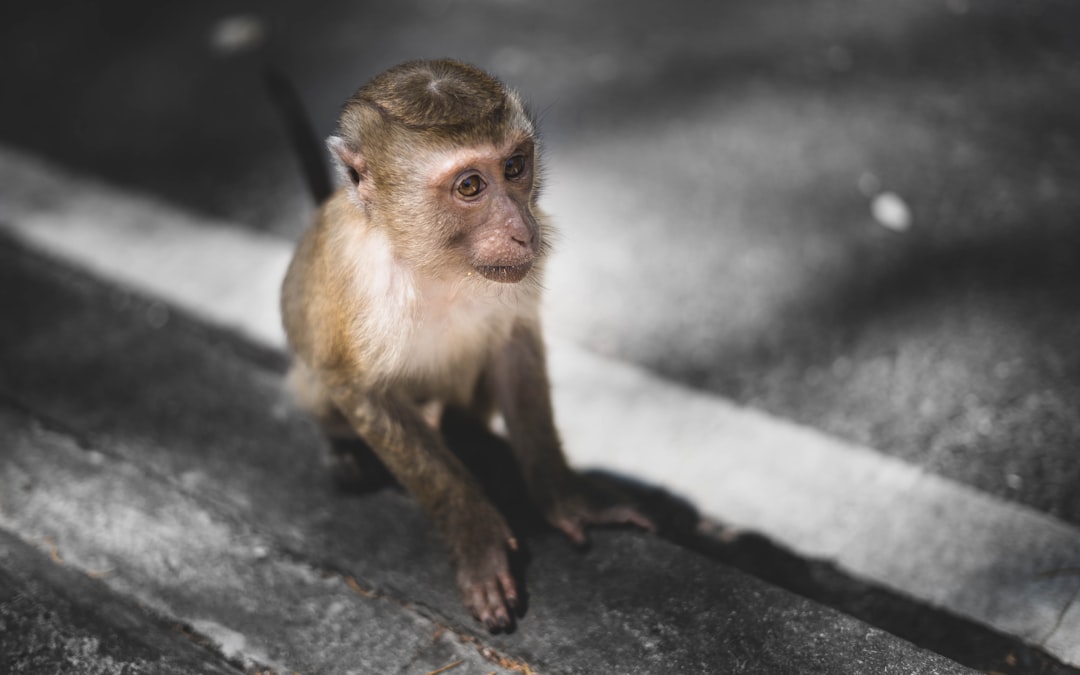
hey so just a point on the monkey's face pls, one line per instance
(486, 194)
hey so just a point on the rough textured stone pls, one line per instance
(57, 619)
(165, 454)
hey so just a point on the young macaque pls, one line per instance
(418, 288)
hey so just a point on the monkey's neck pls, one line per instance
(425, 327)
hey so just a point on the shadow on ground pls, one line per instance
(490, 459)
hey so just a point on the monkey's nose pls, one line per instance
(520, 233)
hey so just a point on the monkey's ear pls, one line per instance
(351, 167)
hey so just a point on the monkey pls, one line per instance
(417, 289)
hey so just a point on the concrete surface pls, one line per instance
(162, 460)
(882, 520)
(57, 619)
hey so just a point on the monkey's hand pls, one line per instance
(579, 501)
(483, 570)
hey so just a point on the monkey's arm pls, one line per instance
(569, 500)
(475, 533)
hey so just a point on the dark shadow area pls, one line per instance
(356, 470)
(490, 459)
(959, 639)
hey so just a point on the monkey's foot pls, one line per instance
(583, 502)
(488, 587)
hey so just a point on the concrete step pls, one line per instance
(161, 457)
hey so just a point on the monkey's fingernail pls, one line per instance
(644, 523)
(512, 543)
(576, 533)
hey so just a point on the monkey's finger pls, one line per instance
(476, 601)
(573, 528)
(499, 618)
(630, 516)
(509, 589)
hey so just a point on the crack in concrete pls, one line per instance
(442, 624)
(205, 642)
(1060, 617)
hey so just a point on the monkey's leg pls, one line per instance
(354, 466)
(350, 460)
(568, 500)
(475, 533)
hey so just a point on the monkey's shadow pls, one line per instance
(356, 470)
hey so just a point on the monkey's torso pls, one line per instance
(429, 337)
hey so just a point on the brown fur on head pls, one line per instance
(422, 106)
(416, 123)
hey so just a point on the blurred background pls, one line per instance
(859, 215)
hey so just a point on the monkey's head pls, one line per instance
(444, 157)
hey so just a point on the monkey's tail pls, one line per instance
(301, 133)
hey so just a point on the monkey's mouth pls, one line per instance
(507, 274)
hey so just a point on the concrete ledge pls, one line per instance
(878, 518)
(161, 456)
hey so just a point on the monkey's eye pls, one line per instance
(514, 166)
(470, 186)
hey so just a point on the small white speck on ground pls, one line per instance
(239, 33)
(891, 212)
(957, 6)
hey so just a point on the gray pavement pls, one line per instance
(57, 619)
(163, 509)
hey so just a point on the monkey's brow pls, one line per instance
(458, 159)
